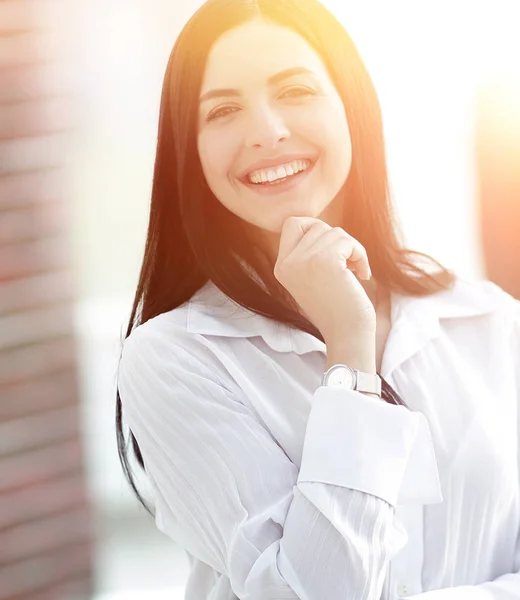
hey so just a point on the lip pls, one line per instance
(279, 188)
(268, 163)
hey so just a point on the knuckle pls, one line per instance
(317, 224)
(322, 225)
(341, 231)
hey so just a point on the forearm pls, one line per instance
(360, 355)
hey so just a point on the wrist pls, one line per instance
(362, 358)
(344, 375)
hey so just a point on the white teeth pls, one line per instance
(280, 172)
(272, 175)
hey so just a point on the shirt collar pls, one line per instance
(415, 320)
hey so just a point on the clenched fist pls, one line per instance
(315, 265)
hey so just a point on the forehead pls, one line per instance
(254, 51)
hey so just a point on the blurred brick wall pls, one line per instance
(45, 524)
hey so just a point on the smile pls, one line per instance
(280, 172)
(281, 179)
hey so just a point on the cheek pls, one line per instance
(326, 126)
(336, 136)
(216, 154)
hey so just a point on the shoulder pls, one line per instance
(470, 307)
(479, 310)
(471, 296)
(160, 332)
(164, 342)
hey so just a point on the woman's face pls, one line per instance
(273, 137)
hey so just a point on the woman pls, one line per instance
(269, 211)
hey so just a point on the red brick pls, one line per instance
(32, 153)
(36, 537)
(38, 394)
(16, 15)
(32, 221)
(35, 117)
(36, 291)
(39, 359)
(50, 573)
(26, 82)
(53, 496)
(77, 586)
(29, 327)
(31, 258)
(26, 470)
(29, 47)
(28, 187)
(39, 430)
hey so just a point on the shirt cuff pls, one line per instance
(362, 443)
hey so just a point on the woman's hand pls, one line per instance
(315, 265)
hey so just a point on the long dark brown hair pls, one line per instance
(192, 238)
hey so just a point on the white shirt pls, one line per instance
(279, 488)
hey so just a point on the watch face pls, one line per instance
(342, 376)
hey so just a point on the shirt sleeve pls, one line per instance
(226, 491)
(507, 586)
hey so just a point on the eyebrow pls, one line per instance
(273, 80)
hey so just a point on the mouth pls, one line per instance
(278, 184)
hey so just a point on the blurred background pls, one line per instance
(80, 85)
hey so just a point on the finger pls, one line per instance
(361, 269)
(360, 265)
(351, 249)
(358, 260)
(315, 231)
(293, 229)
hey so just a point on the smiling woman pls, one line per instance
(278, 486)
(258, 118)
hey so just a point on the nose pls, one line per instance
(265, 128)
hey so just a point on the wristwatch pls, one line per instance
(352, 379)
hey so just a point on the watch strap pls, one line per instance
(364, 382)
(368, 382)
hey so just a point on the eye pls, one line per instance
(220, 112)
(296, 92)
